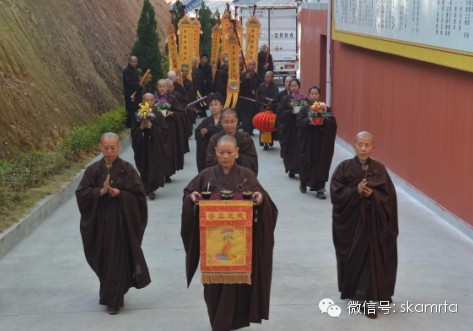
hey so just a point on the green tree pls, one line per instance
(178, 12)
(207, 21)
(146, 47)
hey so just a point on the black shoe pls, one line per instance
(168, 179)
(113, 311)
(152, 195)
(292, 174)
(321, 195)
(302, 188)
(266, 147)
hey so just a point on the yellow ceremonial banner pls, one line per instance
(226, 241)
(253, 27)
(233, 85)
(196, 30)
(172, 49)
(186, 38)
(216, 34)
(227, 30)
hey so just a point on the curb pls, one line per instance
(44, 208)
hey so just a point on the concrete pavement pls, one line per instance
(46, 284)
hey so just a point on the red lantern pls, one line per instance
(265, 121)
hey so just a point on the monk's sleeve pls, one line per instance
(211, 158)
(302, 119)
(385, 201)
(88, 198)
(176, 105)
(130, 82)
(247, 156)
(344, 196)
(134, 205)
(160, 127)
(136, 138)
(190, 229)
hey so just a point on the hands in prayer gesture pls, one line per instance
(363, 188)
(107, 188)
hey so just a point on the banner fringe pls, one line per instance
(226, 278)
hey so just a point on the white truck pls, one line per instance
(279, 30)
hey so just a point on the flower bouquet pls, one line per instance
(297, 102)
(162, 105)
(144, 113)
(318, 112)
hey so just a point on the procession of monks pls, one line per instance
(112, 196)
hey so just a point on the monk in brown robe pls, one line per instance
(365, 226)
(114, 214)
(207, 128)
(249, 82)
(316, 147)
(221, 77)
(180, 102)
(247, 156)
(149, 139)
(267, 96)
(288, 130)
(232, 306)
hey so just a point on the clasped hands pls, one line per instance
(257, 197)
(363, 188)
(107, 188)
(146, 124)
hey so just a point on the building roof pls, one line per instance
(265, 3)
(221, 4)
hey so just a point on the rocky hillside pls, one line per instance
(60, 64)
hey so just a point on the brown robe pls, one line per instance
(245, 109)
(316, 147)
(178, 143)
(233, 306)
(112, 229)
(364, 231)
(221, 80)
(202, 142)
(269, 91)
(247, 156)
(150, 148)
(288, 136)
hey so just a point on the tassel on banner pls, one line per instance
(226, 278)
(233, 85)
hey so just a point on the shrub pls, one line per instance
(31, 169)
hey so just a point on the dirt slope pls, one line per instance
(60, 64)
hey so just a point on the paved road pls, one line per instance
(47, 285)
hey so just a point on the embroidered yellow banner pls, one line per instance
(226, 241)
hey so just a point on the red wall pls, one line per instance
(420, 114)
(312, 59)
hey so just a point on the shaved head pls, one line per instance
(364, 135)
(172, 75)
(110, 146)
(227, 139)
(149, 98)
(109, 136)
(133, 61)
